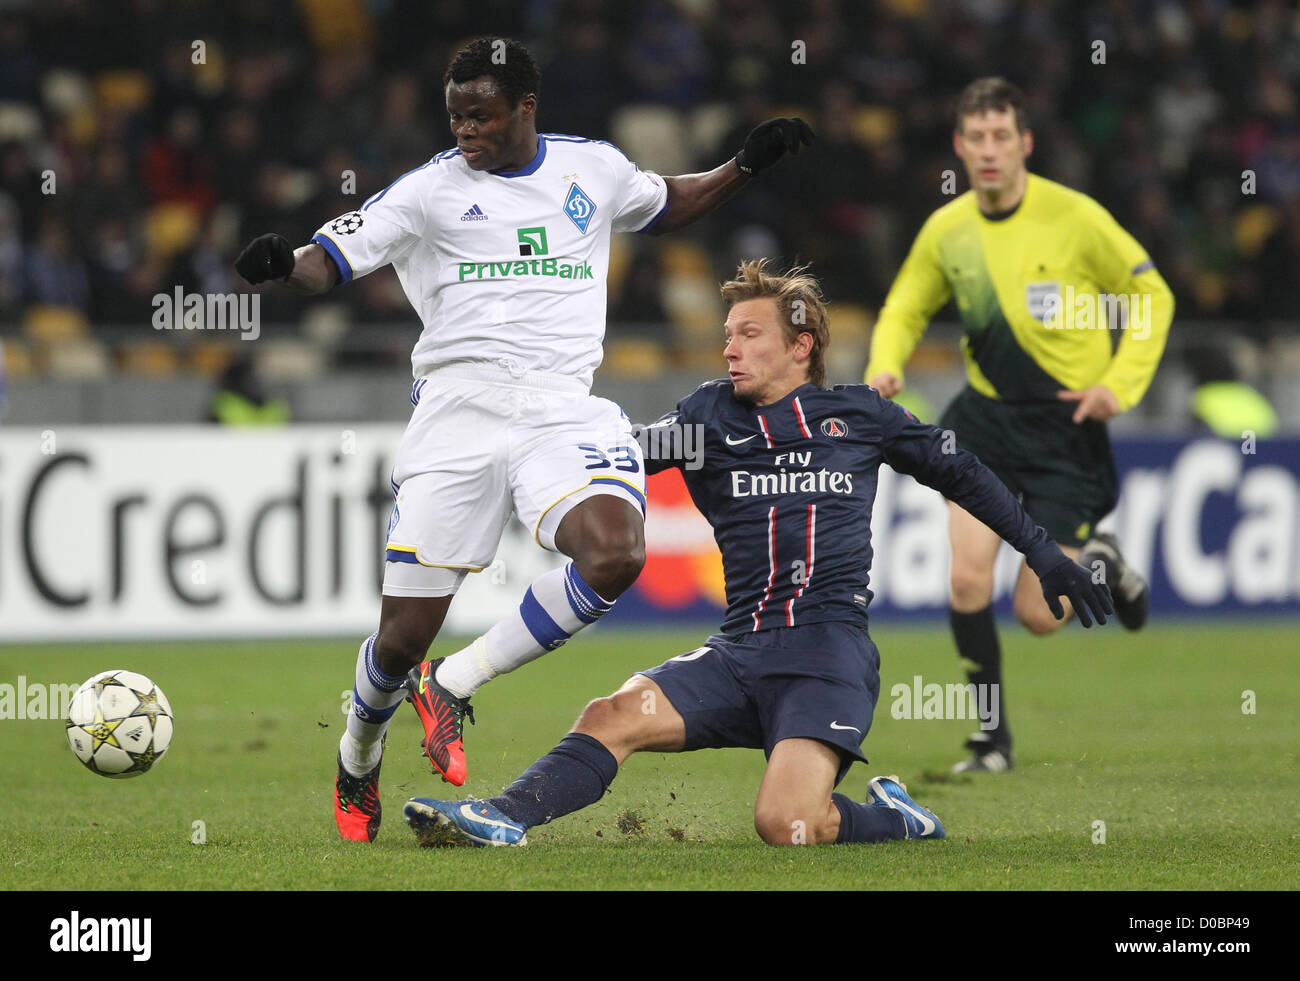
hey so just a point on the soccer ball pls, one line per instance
(119, 724)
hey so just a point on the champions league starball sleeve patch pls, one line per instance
(348, 224)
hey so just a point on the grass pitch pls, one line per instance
(1144, 732)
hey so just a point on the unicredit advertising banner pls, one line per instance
(138, 532)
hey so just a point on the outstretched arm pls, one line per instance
(692, 196)
(306, 270)
(932, 457)
(313, 270)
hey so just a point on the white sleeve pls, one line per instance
(385, 229)
(642, 196)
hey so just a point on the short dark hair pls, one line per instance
(995, 93)
(507, 61)
(799, 303)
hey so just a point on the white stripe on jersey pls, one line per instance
(771, 564)
(803, 422)
(811, 553)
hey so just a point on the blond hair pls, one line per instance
(799, 303)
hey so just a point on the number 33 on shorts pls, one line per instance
(619, 458)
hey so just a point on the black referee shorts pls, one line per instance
(1062, 471)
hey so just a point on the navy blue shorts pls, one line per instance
(751, 690)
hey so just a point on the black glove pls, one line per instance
(769, 140)
(266, 257)
(1072, 580)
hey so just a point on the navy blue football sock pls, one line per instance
(572, 775)
(867, 823)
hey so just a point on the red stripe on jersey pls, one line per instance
(789, 614)
(767, 434)
(803, 422)
(771, 564)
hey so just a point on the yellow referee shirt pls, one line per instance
(1037, 291)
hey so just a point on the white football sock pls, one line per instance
(359, 760)
(375, 697)
(557, 605)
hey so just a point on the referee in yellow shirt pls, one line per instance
(1039, 273)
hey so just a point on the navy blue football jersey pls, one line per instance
(789, 487)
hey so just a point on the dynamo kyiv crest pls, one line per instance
(579, 208)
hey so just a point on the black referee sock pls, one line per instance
(977, 641)
(572, 775)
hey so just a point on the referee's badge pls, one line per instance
(579, 207)
(1043, 299)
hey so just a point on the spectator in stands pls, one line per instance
(178, 165)
(55, 274)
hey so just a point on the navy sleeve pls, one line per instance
(657, 445)
(676, 439)
(932, 456)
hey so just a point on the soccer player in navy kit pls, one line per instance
(788, 480)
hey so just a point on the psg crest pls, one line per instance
(347, 224)
(834, 427)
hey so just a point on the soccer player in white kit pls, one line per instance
(502, 246)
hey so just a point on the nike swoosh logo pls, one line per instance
(424, 681)
(737, 442)
(467, 811)
(835, 725)
(926, 823)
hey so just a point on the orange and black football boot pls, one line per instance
(356, 804)
(443, 716)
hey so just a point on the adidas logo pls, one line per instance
(474, 214)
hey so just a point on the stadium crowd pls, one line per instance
(141, 142)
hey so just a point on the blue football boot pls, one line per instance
(888, 792)
(441, 823)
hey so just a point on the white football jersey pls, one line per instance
(504, 265)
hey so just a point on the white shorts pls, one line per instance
(486, 438)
